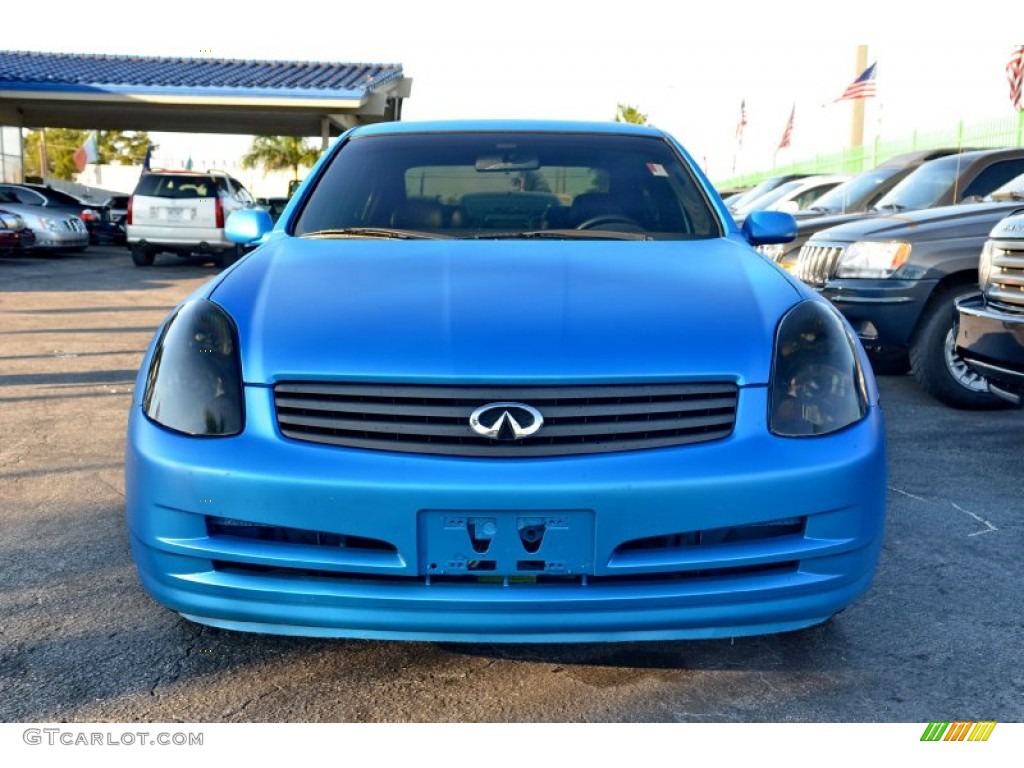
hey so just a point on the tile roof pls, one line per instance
(65, 71)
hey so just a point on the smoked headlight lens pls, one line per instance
(868, 259)
(194, 384)
(817, 384)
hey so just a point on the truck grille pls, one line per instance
(435, 419)
(817, 264)
(1006, 283)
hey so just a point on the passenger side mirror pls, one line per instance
(769, 227)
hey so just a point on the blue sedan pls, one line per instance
(509, 382)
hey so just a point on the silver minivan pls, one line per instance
(183, 212)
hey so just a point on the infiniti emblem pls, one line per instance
(506, 421)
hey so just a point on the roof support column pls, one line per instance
(325, 132)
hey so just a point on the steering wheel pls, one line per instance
(609, 218)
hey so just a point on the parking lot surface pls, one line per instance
(937, 637)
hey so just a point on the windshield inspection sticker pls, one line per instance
(657, 169)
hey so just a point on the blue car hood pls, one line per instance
(505, 311)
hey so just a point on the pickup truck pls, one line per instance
(990, 333)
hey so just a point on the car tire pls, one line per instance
(940, 371)
(142, 256)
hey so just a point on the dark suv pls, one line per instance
(990, 337)
(916, 180)
(896, 279)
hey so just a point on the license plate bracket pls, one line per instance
(506, 542)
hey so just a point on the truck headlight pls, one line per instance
(988, 253)
(868, 259)
(194, 383)
(817, 383)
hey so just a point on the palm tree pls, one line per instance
(280, 153)
(627, 113)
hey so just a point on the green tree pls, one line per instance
(627, 113)
(280, 153)
(115, 147)
(120, 148)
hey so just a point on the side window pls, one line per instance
(992, 178)
(26, 196)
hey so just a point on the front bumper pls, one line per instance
(883, 313)
(46, 239)
(392, 556)
(991, 342)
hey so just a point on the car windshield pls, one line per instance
(924, 187)
(1011, 190)
(177, 186)
(763, 201)
(851, 194)
(508, 184)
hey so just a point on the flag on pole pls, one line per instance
(742, 123)
(863, 87)
(89, 152)
(787, 133)
(1015, 74)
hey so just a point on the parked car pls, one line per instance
(766, 185)
(946, 180)
(15, 237)
(897, 278)
(273, 205)
(990, 336)
(52, 229)
(183, 212)
(792, 196)
(58, 204)
(506, 381)
(117, 205)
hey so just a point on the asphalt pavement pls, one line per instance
(938, 636)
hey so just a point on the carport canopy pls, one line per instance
(133, 93)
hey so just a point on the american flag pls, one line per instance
(863, 87)
(1015, 74)
(787, 133)
(742, 123)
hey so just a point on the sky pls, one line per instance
(688, 70)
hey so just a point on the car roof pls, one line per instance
(549, 126)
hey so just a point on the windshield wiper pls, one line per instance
(383, 233)
(1006, 196)
(563, 234)
(821, 209)
(895, 207)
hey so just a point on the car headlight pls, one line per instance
(194, 383)
(11, 222)
(817, 384)
(868, 259)
(988, 253)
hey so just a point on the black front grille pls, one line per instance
(1006, 282)
(817, 264)
(435, 419)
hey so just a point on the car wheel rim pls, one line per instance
(958, 369)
